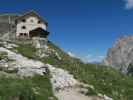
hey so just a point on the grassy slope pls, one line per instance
(14, 88)
(104, 79)
(36, 88)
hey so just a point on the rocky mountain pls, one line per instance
(120, 56)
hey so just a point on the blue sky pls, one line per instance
(86, 28)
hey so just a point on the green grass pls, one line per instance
(105, 80)
(26, 50)
(36, 88)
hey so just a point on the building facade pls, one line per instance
(26, 26)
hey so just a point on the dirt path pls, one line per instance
(72, 94)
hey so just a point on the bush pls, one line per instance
(91, 92)
(130, 70)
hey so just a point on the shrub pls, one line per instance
(130, 70)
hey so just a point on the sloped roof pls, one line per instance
(32, 13)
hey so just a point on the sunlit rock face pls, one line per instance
(121, 54)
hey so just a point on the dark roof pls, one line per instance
(34, 14)
(39, 32)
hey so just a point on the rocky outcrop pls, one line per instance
(22, 66)
(121, 54)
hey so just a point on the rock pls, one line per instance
(121, 54)
(8, 44)
(83, 90)
(41, 53)
(21, 61)
(107, 98)
(51, 98)
(104, 97)
(57, 55)
(29, 72)
(61, 79)
(22, 65)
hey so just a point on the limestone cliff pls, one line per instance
(121, 54)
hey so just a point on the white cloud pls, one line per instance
(92, 58)
(88, 58)
(71, 54)
(129, 4)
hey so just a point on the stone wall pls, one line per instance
(7, 26)
(39, 43)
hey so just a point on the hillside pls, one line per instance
(104, 80)
(35, 88)
(22, 73)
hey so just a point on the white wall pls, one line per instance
(29, 25)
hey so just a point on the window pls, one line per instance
(23, 20)
(39, 22)
(23, 27)
(21, 34)
(25, 34)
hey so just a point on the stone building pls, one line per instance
(26, 27)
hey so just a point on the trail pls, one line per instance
(73, 94)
